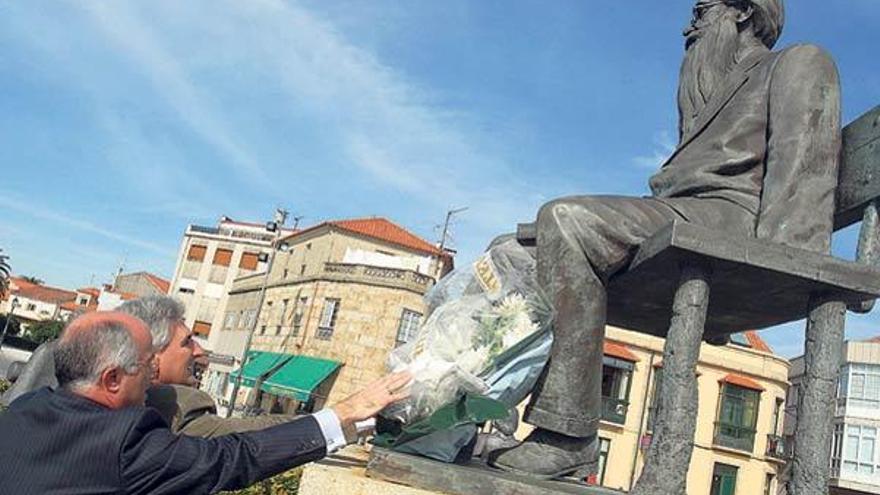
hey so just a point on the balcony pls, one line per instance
(376, 275)
(778, 447)
(734, 437)
(614, 410)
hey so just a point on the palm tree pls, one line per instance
(4, 273)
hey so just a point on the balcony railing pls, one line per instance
(394, 277)
(614, 410)
(734, 437)
(778, 447)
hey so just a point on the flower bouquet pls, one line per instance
(481, 316)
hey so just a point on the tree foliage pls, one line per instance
(4, 273)
(43, 331)
(32, 279)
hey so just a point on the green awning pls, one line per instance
(299, 377)
(259, 364)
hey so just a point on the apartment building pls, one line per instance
(855, 456)
(739, 448)
(339, 298)
(208, 261)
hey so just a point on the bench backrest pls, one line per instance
(858, 184)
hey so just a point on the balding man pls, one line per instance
(186, 409)
(94, 435)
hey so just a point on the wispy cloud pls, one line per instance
(664, 146)
(34, 211)
(134, 38)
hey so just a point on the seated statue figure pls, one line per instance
(758, 156)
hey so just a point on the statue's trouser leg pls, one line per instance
(567, 396)
(669, 456)
(815, 412)
(580, 242)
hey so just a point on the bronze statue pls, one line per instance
(758, 156)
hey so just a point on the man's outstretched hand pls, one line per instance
(373, 398)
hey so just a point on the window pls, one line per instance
(858, 449)
(201, 328)
(768, 484)
(196, 253)
(82, 301)
(737, 417)
(286, 272)
(616, 374)
(860, 385)
(836, 449)
(184, 290)
(230, 321)
(302, 269)
(222, 257)
(248, 318)
(604, 448)
(263, 330)
(776, 425)
(655, 398)
(328, 319)
(723, 480)
(409, 326)
(248, 261)
(30, 307)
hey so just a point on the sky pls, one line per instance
(122, 122)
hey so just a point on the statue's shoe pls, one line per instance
(545, 454)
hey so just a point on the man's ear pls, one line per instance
(111, 379)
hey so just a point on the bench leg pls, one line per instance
(816, 398)
(669, 456)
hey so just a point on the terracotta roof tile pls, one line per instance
(757, 342)
(742, 381)
(43, 293)
(619, 351)
(160, 283)
(382, 229)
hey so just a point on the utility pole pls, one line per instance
(275, 226)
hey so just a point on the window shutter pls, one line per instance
(222, 257)
(196, 253)
(248, 261)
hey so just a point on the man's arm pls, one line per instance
(154, 460)
(803, 150)
(190, 411)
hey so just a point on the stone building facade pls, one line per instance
(739, 447)
(208, 261)
(855, 455)
(346, 291)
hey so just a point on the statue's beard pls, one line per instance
(707, 62)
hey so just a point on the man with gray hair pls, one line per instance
(758, 152)
(94, 435)
(187, 410)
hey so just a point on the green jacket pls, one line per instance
(190, 411)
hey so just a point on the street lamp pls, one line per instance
(274, 226)
(14, 304)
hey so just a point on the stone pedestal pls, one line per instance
(343, 474)
(474, 479)
(355, 471)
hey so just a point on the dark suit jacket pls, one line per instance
(187, 410)
(769, 140)
(58, 442)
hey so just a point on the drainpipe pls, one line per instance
(642, 422)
